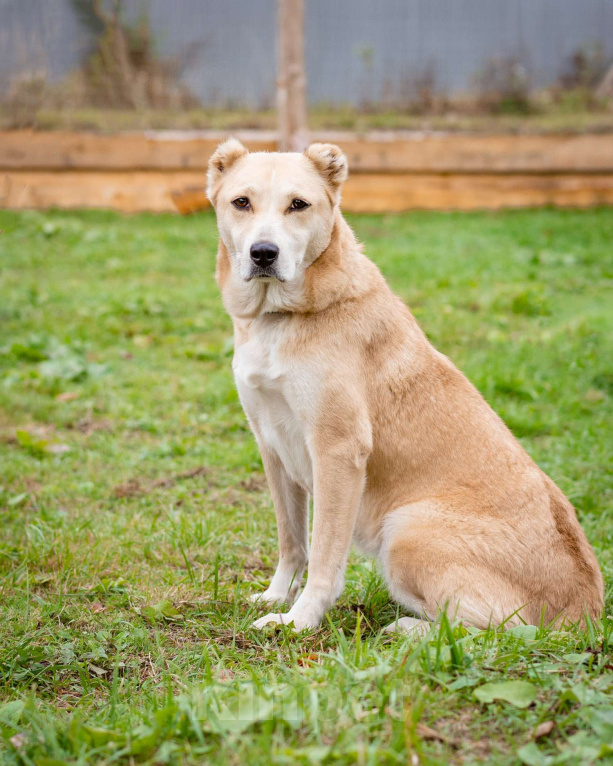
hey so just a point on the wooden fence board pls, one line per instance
(129, 192)
(364, 192)
(380, 193)
(31, 150)
(483, 154)
(381, 152)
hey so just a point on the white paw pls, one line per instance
(411, 626)
(271, 597)
(297, 623)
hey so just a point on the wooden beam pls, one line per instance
(453, 153)
(128, 192)
(291, 78)
(166, 150)
(165, 191)
(418, 153)
(395, 193)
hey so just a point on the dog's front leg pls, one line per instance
(291, 504)
(338, 484)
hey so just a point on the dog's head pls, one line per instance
(275, 211)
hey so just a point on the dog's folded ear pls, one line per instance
(330, 162)
(221, 161)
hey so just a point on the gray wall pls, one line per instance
(357, 50)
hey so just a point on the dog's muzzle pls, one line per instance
(263, 257)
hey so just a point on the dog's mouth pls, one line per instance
(264, 273)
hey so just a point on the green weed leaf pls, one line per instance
(521, 694)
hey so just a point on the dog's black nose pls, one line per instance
(264, 253)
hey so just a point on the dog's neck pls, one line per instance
(340, 273)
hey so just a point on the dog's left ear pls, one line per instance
(331, 164)
(221, 161)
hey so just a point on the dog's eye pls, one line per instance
(298, 204)
(241, 202)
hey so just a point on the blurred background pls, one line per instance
(523, 67)
(394, 63)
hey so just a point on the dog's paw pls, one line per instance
(410, 626)
(277, 618)
(270, 619)
(269, 597)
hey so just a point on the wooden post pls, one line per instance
(605, 89)
(291, 80)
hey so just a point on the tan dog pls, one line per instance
(352, 406)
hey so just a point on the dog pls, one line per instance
(353, 407)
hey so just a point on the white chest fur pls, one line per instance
(270, 397)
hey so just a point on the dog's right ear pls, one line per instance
(222, 160)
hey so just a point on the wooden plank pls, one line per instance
(379, 152)
(364, 192)
(30, 150)
(548, 153)
(128, 192)
(379, 193)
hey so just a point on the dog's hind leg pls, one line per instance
(291, 504)
(436, 562)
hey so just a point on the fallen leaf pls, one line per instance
(425, 732)
(97, 607)
(67, 396)
(543, 729)
(98, 671)
(306, 660)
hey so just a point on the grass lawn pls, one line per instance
(135, 518)
(568, 117)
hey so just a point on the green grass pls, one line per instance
(570, 116)
(135, 518)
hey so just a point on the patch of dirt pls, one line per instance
(427, 733)
(228, 638)
(171, 480)
(456, 733)
(32, 485)
(134, 487)
(226, 497)
(130, 488)
(253, 561)
(88, 425)
(254, 483)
